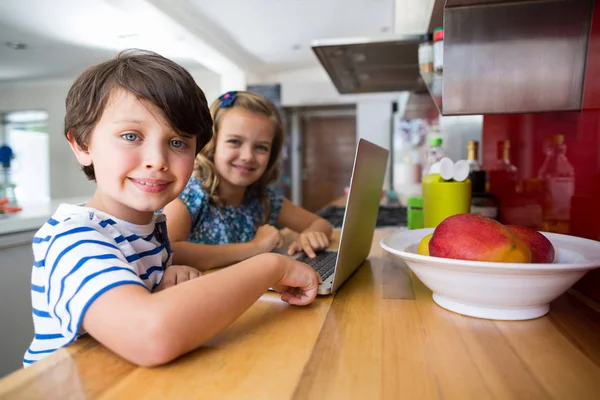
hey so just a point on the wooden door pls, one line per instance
(328, 148)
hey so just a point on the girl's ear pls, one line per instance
(83, 156)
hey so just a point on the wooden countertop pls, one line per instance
(380, 336)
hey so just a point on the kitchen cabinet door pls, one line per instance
(16, 326)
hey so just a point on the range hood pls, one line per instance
(359, 65)
(500, 56)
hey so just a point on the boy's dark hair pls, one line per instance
(149, 76)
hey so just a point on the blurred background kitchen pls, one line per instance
(511, 86)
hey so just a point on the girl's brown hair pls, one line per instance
(204, 168)
(149, 76)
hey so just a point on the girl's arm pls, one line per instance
(152, 329)
(300, 220)
(315, 232)
(205, 256)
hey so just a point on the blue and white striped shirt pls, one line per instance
(79, 254)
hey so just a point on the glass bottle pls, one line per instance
(434, 153)
(482, 203)
(472, 155)
(426, 54)
(503, 176)
(558, 177)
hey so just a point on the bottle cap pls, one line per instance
(435, 141)
(557, 139)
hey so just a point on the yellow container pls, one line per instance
(442, 199)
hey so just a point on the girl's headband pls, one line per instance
(227, 99)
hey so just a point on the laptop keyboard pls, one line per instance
(323, 263)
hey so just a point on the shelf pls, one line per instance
(433, 81)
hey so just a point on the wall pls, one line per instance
(373, 123)
(66, 178)
(209, 82)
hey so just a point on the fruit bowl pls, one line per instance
(495, 290)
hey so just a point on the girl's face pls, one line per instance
(243, 147)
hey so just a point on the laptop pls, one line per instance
(360, 218)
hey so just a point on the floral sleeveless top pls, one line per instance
(212, 224)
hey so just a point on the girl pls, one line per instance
(226, 212)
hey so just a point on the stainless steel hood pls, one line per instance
(359, 65)
(504, 56)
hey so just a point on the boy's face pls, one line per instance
(243, 147)
(140, 163)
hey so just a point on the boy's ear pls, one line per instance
(83, 156)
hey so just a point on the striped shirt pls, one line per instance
(79, 254)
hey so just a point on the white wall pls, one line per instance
(412, 16)
(209, 82)
(66, 177)
(373, 123)
(457, 131)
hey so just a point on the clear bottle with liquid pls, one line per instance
(503, 176)
(434, 153)
(558, 177)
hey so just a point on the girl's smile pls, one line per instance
(242, 150)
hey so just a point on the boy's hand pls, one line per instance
(299, 283)
(309, 242)
(267, 238)
(176, 274)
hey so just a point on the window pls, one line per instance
(25, 133)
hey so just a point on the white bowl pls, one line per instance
(494, 290)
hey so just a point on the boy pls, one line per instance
(136, 124)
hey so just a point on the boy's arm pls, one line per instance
(201, 256)
(205, 256)
(152, 329)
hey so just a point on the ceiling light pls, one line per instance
(16, 45)
(127, 35)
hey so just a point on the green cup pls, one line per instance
(442, 199)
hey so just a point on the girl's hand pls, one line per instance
(267, 238)
(309, 242)
(176, 274)
(299, 282)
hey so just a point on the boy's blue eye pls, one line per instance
(178, 144)
(234, 141)
(131, 137)
(262, 148)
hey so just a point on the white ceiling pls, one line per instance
(261, 36)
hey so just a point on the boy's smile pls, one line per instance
(151, 185)
(140, 163)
